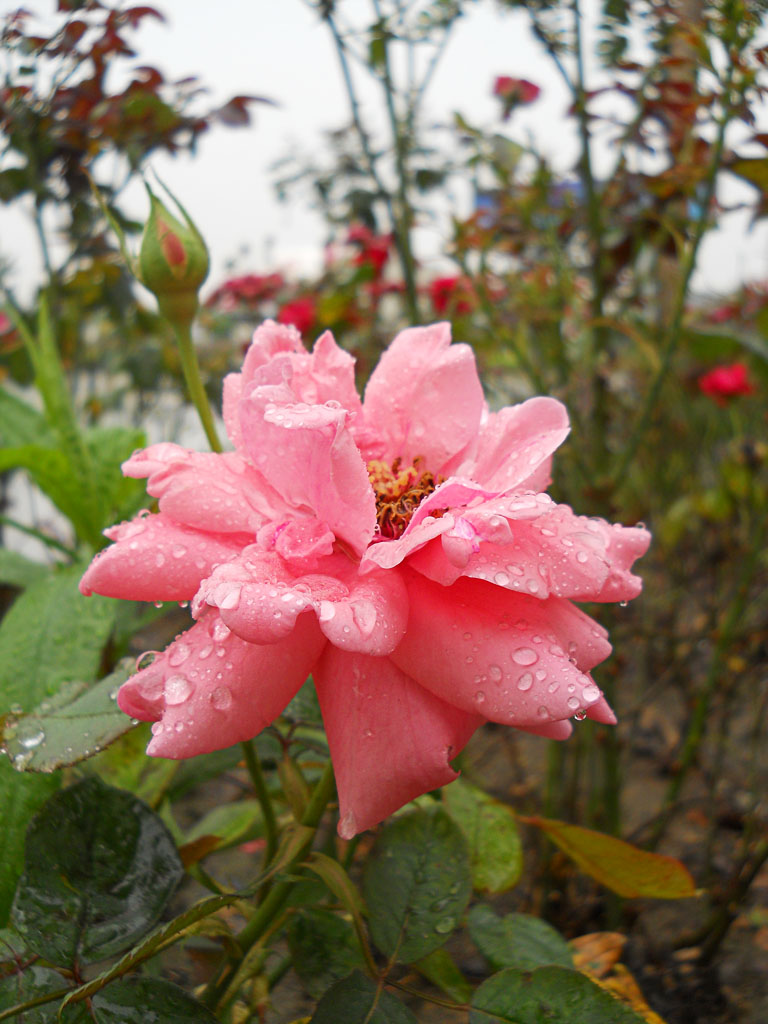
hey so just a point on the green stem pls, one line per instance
(696, 727)
(689, 265)
(275, 900)
(30, 1004)
(262, 795)
(194, 383)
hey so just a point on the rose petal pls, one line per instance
(207, 490)
(259, 597)
(308, 455)
(211, 689)
(493, 652)
(390, 739)
(154, 558)
(514, 443)
(424, 398)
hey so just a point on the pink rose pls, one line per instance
(402, 550)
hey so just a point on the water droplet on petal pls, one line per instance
(479, 697)
(525, 682)
(221, 698)
(501, 578)
(145, 660)
(220, 630)
(178, 654)
(580, 715)
(495, 672)
(177, 689)
(591, 693)
(525, 656)
(327, 611)
(573, 703)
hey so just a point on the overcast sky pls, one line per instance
(277, 48)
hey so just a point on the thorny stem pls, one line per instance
(597, 331)
(30, 1004)
(402, 243)
(191, 369)
(405, 214)
(262, 795)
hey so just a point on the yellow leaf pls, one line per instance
(619, 866)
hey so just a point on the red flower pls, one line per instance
(248, 289)
(725, 382)
(301, 313)
(452, 294)
(373, 249)
(514, 92)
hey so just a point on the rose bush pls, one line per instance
(401, 549)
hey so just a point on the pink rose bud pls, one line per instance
(173, 262)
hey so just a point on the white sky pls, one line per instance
(277, 48)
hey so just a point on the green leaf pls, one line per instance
(20, 797)
(119, 496)
(27, 985)
(556, 994)
(21, 424)
(50, 635)
(517, 940)
(18, 571)
(719, 345)
(229, 824)
(439, 968)
(416, 884)
(139, 1001)
(490, 828)
(74, 724)
(619, 866)
(125, 765)
(51, 471)
(100, 867)
(323, 949)
(358, 1000)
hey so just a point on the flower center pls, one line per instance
(399, 491)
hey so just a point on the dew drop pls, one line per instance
(33, 740)
(525, 656)
(221, 698)
(479, 697)
(525, 682)
(327, 611)
(231, 599)
(205, 652)
(573, 703)
(220, 630)
(444, 925)
(178, 655)
(591, 693)
(145, 660)
(177, 690)
(580, 715)
(178, 551)
(495, 672)
(501, 578)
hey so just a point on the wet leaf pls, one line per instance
(100, 867)
(555, 994)
(50, 635)
(29, 984)
(490, 828)
(440, 968)
(619, 866)
(416, 884)
(18, 571)
(21, 796)
(323, 948)
(517, 940)
(358, 1000)
(78, 721)
(139, 1001)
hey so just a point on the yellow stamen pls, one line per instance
(399, 492)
